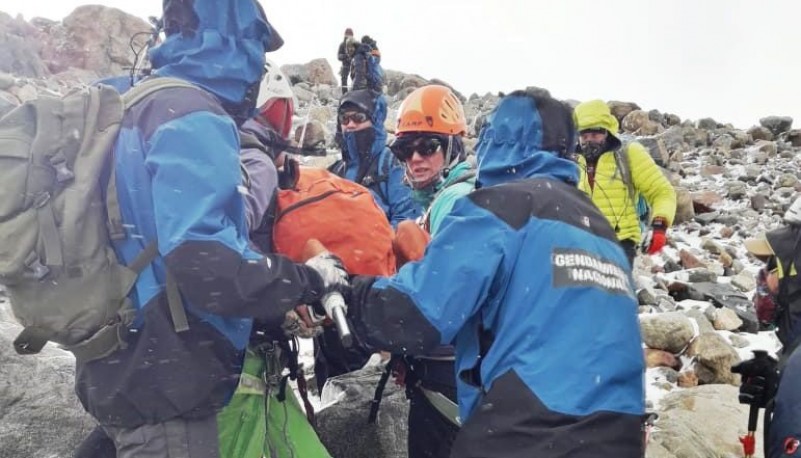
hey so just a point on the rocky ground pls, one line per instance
(695, 297)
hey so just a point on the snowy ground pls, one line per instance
(656, 384)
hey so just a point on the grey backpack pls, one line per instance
(58, 216)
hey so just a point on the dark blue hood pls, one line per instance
(217, 44)
(526, 136)
(353, 155)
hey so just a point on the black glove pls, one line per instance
(760, 379)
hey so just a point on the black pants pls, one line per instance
(96, 445)
(344, 73)
(631, 250)
(431, 434)
(332, 358)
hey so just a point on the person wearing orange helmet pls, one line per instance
(431, 123)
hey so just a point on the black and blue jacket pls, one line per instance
(178, 179)
(376, 168)
(525, 277)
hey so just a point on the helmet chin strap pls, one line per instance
(436, 177)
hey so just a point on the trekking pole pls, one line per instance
(332, 301)
(306, 120)
(336, 303)
(749, 440)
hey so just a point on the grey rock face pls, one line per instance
(40, 416)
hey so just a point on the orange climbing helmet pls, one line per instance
(432, 108)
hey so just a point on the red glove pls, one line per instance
(658, 236)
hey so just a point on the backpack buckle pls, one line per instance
(41, 199)
(36, 270)
(63, 173)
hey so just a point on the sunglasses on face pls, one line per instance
(356, 117)
(404, 147)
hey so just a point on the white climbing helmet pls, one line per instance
(276, 102)
(793, 214)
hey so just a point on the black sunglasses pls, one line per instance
(357, 117)
(405, 146)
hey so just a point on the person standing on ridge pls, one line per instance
(345, 55)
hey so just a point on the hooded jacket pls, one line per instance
(373, 165)
(610, 192)
(179, 185)
(525, 276)
(439, 200)
(262, 175)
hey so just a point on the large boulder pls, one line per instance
(95, 38)
(671, 331)
(621, 109)
(342, 424)
(317, 71)
(19, 48)
(777, 124)
(794, 138)
(685, 211)
(657, 148)
(701, 422)
(760, 133)
(40, 416)
(396, 81)
(714, 357)
(638, 123)
(313, 134)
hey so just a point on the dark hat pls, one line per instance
(349, 32)
(362, 100)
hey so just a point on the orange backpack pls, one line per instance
(339, 213)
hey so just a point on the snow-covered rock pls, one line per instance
(701, 422)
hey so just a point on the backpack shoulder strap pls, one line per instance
(135, 95)
(150, 86)
(378, 174)
(623, 164)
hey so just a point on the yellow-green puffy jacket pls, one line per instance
(610, 193)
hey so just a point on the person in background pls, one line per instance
(367, 160)
(345, 55)
(615, 175)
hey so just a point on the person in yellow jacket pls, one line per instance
(615, 176)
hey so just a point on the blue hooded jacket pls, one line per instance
(526, 279)
(179, 185)
(386, 183)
